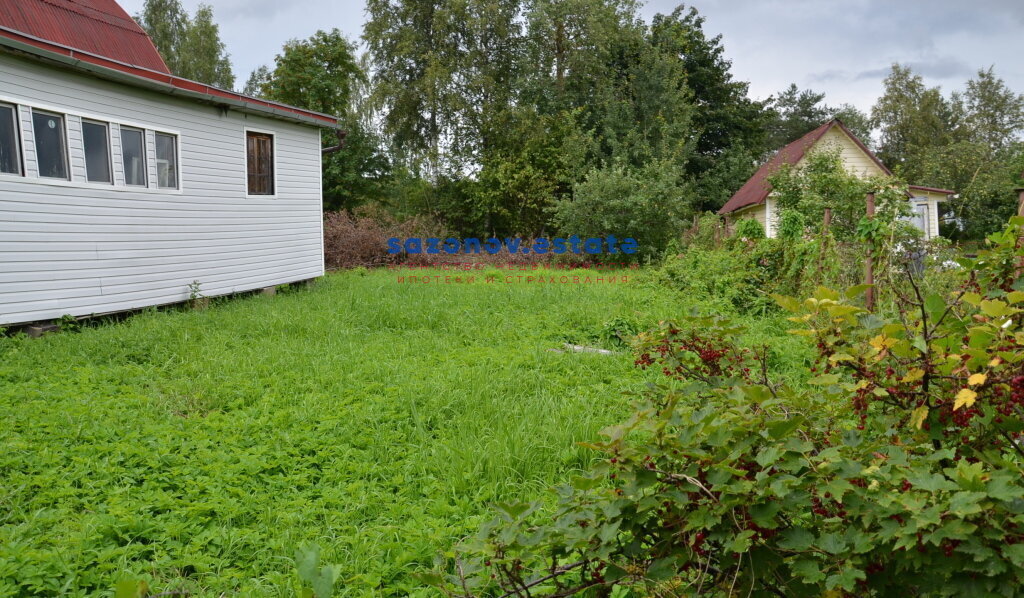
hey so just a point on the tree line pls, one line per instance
(533, 117)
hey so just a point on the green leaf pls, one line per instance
(741, 542)
(857, 290)
(809, 570)
(832, 543)
(307, 559)
(796, 539)
(934, 304)
(784, 428)
(930, 482)
(1015, 554)
(845, 579)
(768, 455)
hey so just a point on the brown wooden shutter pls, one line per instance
(260, 158)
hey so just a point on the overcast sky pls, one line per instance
(841, 48)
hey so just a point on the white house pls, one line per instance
(121, 184)
(754, 199)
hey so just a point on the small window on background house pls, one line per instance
(133, 148)
(166, 161)
(260, 163)
(51, 149)
(96, 141)
(10, 150)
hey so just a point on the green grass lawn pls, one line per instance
(199, 449)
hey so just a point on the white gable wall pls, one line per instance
(78, 248)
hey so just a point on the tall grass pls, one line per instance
(199, 449)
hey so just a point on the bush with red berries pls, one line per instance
(895, 469)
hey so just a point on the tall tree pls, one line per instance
(191, 47)
(993, 113)
(795, 112)
(727, 118)
(415, 57)
(322, 73)
(910, 117)
(202, 56)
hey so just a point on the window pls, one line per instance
(133, 149)
(260, 163)
(51, 149)
(10, 152)
(96, 141)
(166, 161)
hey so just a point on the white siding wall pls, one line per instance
(78, 248)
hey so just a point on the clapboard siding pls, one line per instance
(70, 247)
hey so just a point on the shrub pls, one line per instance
(894, 469)
(643, 204)
(792, 225)
(748, 229)
(360, 239)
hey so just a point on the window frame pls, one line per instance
(18, 143)
(110, 151)
(65, 150)
(177, 159)
(273, 162)
(31, 176)
(145, 157)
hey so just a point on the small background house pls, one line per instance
(754, 199)
(121, 184)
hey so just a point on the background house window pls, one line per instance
(260, 163)
(10, 152)
(96, 141)
(51, 148)
(166, 161)
(133, 149)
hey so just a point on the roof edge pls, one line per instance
(137, 76)
(932, 189)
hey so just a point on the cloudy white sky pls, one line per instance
(843, 48)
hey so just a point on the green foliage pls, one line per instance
(748, 229)
(823, 182)
(191, 47)
(198, 450)
(969, 142)
(322, 73)
(728, 121)
(792, 225)
(644, 204)
(892, 467)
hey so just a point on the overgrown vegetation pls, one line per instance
(894, 469)
(199, 450)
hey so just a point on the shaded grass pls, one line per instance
(199, 449)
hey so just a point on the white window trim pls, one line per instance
(118, 184)
(70, 178)
(18, 143)
(245, 149)
(110, 151)
(145, 157)
(177, 160)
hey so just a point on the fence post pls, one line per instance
(869, 266)
(824, 240)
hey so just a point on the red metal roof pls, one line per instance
(98, 33)
(757, 188)
(99, 27)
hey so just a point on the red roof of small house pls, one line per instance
(100, 27)
(756, 190)
(98, 36)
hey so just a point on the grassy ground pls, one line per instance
(199, 449)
